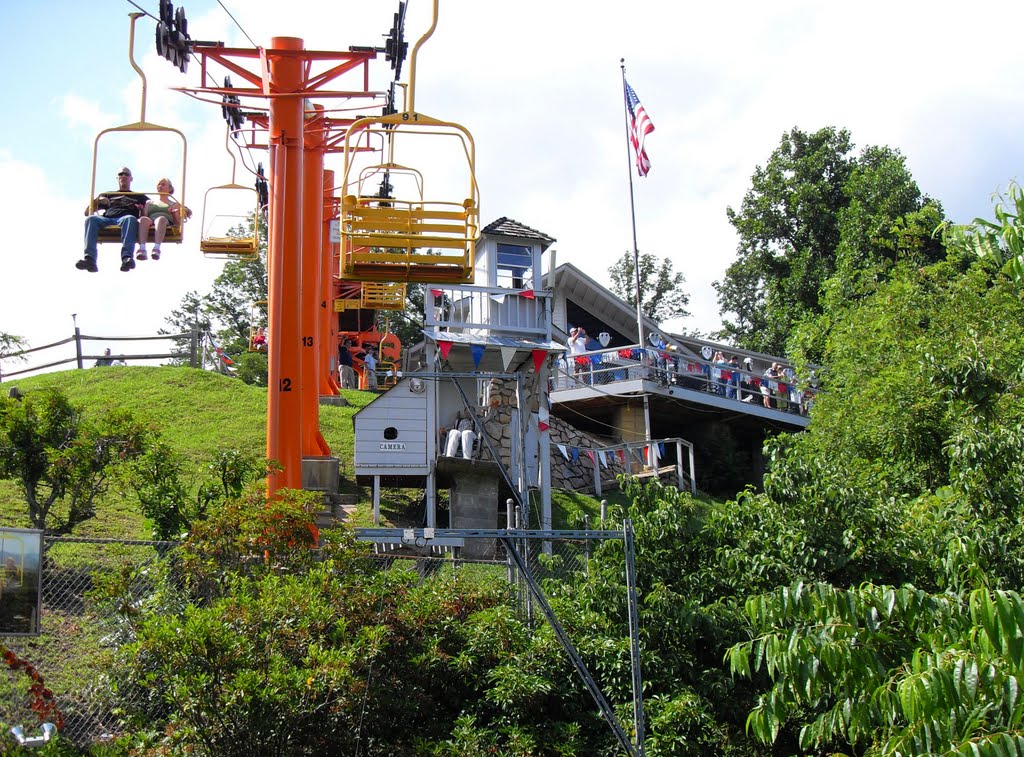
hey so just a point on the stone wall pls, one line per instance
(578, 476)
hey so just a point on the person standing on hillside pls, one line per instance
(106, 360)
(121, 208)
(347, 374)
(370, 369)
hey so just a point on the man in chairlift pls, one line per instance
(121, 208)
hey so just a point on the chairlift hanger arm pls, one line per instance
(229, 57)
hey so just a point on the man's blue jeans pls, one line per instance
(129, 231)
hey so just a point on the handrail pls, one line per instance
(686, 372)
(79, 357)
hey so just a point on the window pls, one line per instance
(515, 266)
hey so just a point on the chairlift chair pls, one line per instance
(110, 234)
(256, 323)
(224, 228)
(412, 238)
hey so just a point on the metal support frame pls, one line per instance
(574, 656)
(634, 636)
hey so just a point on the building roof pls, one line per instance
(508, 227)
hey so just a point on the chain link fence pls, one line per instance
(74, 651)
(81, 631)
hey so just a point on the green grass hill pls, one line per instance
(199, 414)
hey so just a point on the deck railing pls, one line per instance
(611, 366)
(499, 311)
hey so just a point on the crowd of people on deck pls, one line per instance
(776, 388)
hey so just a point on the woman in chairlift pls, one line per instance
(160, 213)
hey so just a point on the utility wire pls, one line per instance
(221, 4)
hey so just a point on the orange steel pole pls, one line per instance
(328, 322)
(284, 418)
(313, 443)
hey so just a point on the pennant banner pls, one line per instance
(220, 353)
(661, 449)
(527, 293)
(604, 460)
(622, 455)
(538, 359)
(478, 352)
(541, 425)
(575, 451)
(499, 298)
(445, 348)
(563, 450)
(436, 292)
(590, 454)
(507, 353)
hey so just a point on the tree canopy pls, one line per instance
(818, 217)
(61, 461)
(227, 311)
(661, 288)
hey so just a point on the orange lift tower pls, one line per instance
(286, 75)
(328, 320)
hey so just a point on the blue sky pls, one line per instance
(538, 85)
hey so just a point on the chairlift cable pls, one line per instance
(221, 4)
(143, 10)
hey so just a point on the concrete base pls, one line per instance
(333, 399)
(473, 503)
(321, 474)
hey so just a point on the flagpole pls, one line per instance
(636, 258)
(632, 213)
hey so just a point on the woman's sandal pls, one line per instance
(141, 255)
(156, 254)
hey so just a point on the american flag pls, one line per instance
(639, 127)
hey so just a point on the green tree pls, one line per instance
(888, 671)
(227, 311)
(191, 314)
(10, 344)
(281, 649)
(788, 229)
(661, 294)
(407, 324)
(61, 460)
(817, 218)
(230, 303)
(1001, 240)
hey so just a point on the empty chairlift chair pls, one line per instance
(407, 235)
(231, 218)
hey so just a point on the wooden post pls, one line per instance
(78, 346)
(679, 465)
(376, 500)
